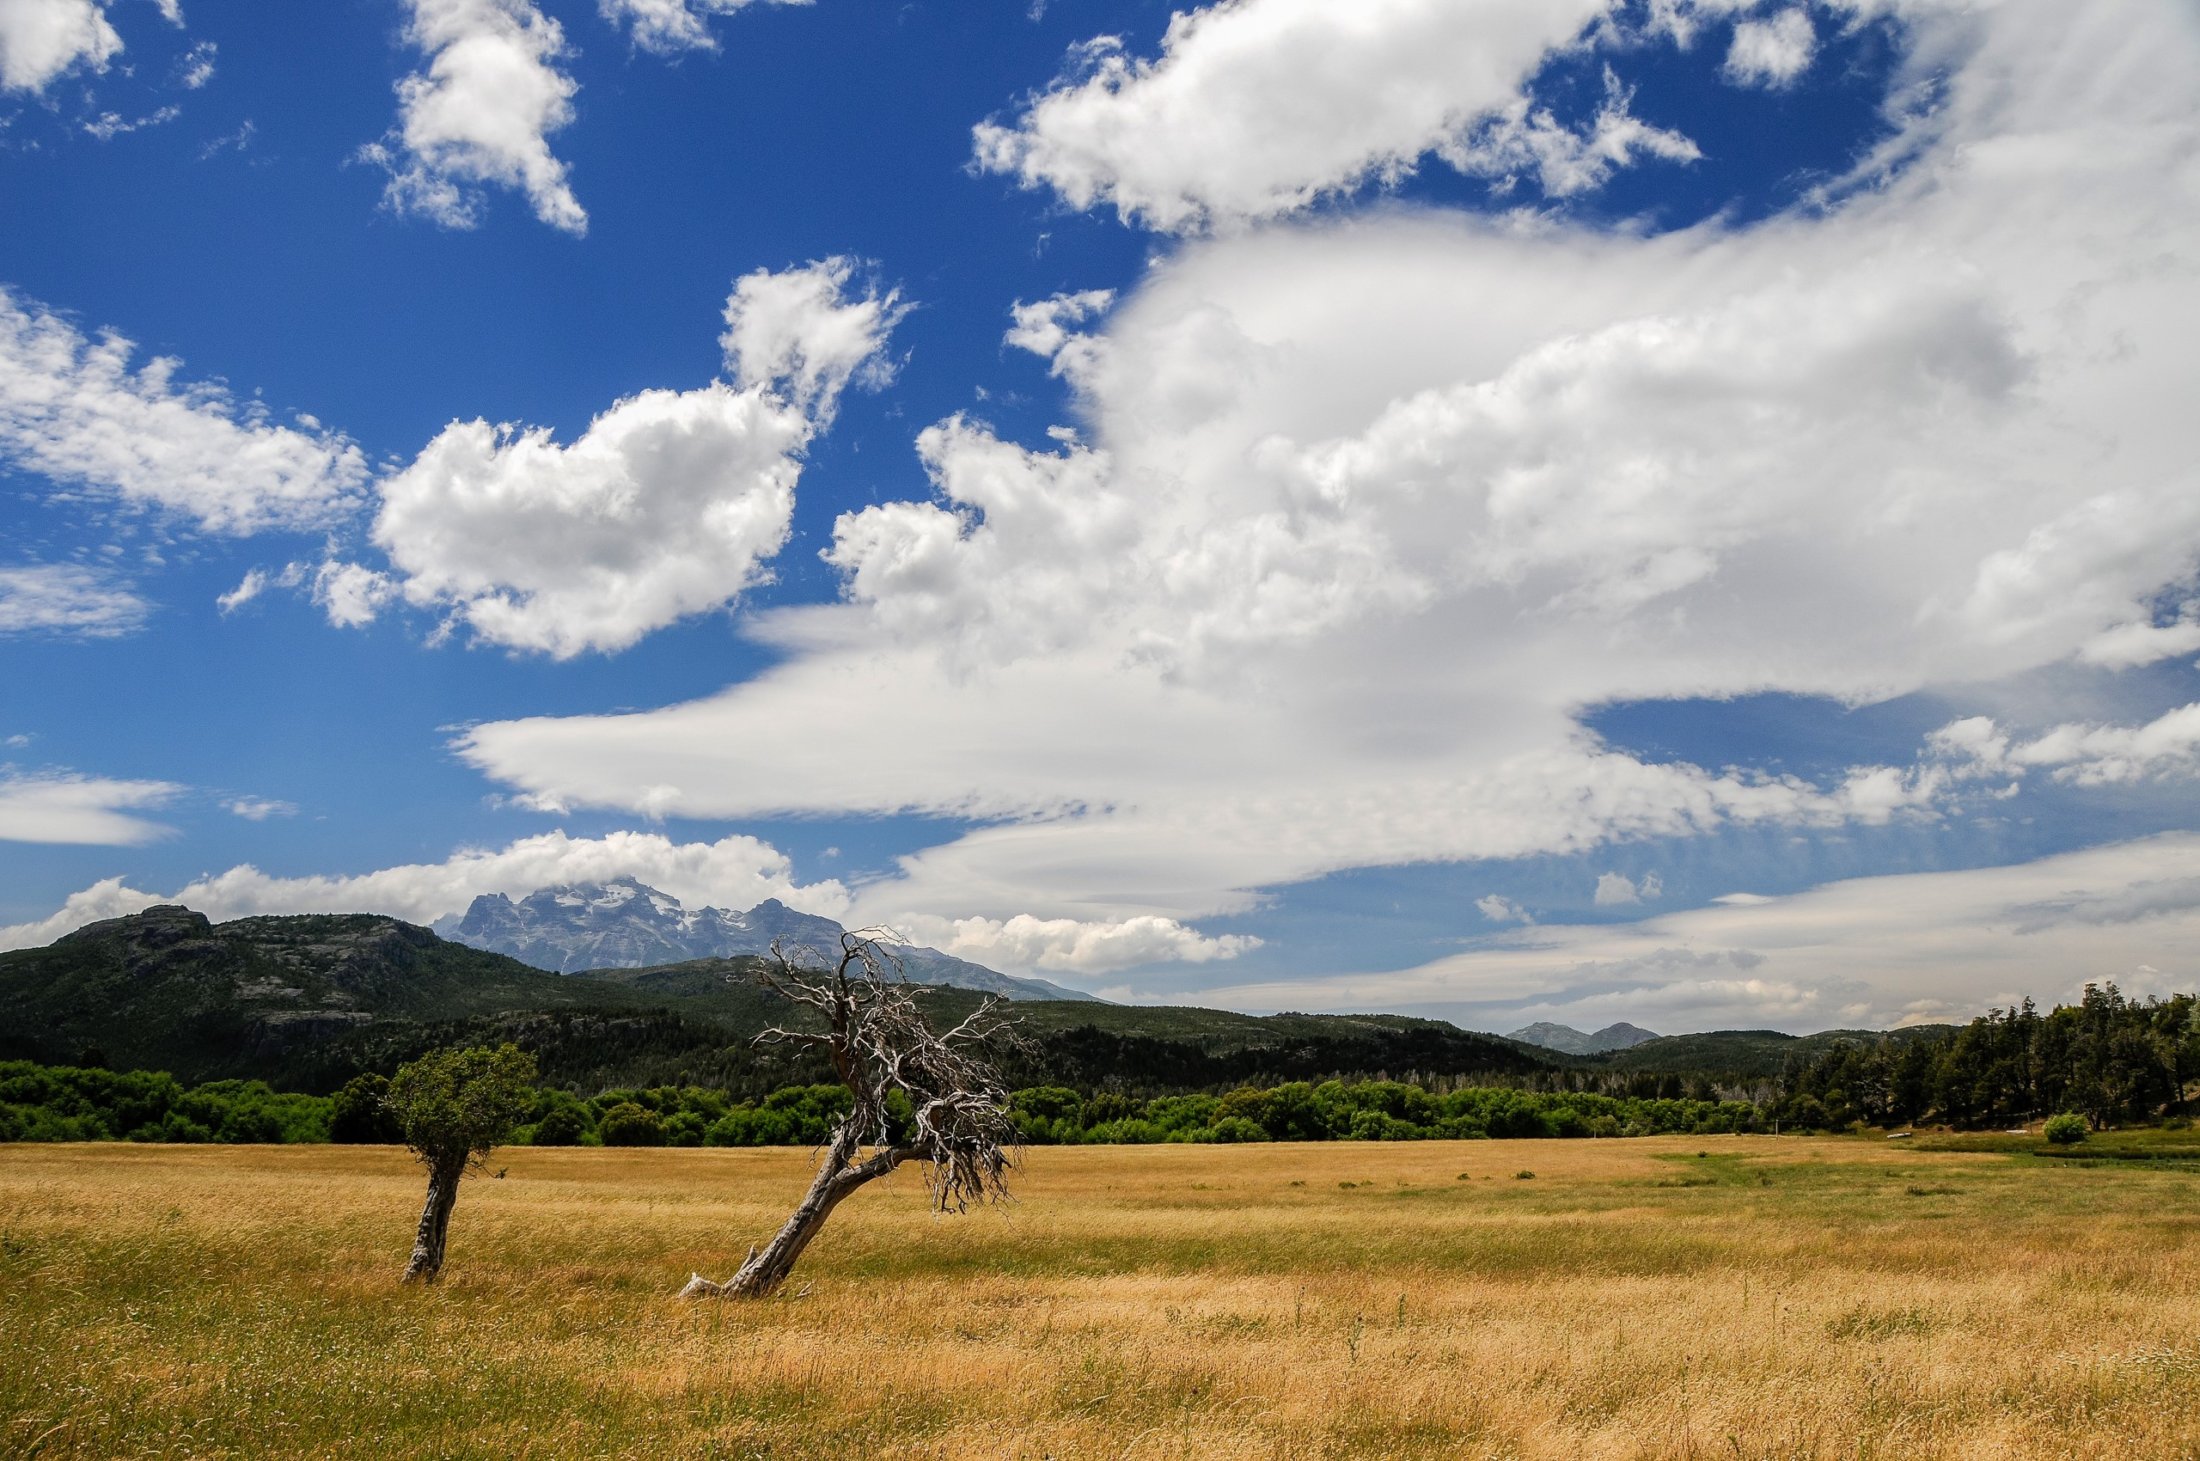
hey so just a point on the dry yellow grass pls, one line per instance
(1776, 1298)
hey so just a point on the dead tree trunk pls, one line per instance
(957, 1125)
(766, 1269)
(435, 1223)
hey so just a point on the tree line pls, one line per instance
(2109, 1058)
(64, 1103)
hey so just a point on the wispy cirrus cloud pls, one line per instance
(67, 598)
(259, 808)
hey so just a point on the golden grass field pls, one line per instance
(1778, 1297)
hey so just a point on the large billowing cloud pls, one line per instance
(670, 504)
(1868, 952)
(72, 410)
(41, 40)
(480, 114)
(1365, 513)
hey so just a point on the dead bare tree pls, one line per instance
(880, 1044)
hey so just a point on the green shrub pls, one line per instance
(2066, 1129)
(560, 1126)
(627, 1124)
(1234, 1129)
(358, 1115)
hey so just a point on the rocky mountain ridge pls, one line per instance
(626, 924)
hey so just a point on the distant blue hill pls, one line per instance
(626, 924)
(1570, 1041)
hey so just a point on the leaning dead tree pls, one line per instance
(955, 1121)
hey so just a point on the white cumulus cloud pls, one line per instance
(1044, 326)
(666, 506)
(669, 27)
(806, 334)
(1258, 107)
(73, 411)
(1025, 944)
(2101, 755)
(2081, 753)
(197, 66)
(1498, 908)
(669, 505)
(1617, 890)
(350, 594)
(1773, 52)
(480, 114)
(41, 40)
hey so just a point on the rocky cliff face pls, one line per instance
(625, 924)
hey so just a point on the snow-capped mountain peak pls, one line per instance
(626, 924)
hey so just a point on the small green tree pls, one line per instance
(453, 1107)
(2064, 1130)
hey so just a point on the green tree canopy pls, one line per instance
(453, 1107)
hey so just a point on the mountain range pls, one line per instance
(579, 928)
(1570, 1041)
(308, 1001)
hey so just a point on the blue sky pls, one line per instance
(1674, 511)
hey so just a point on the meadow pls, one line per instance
(1740, 1296)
